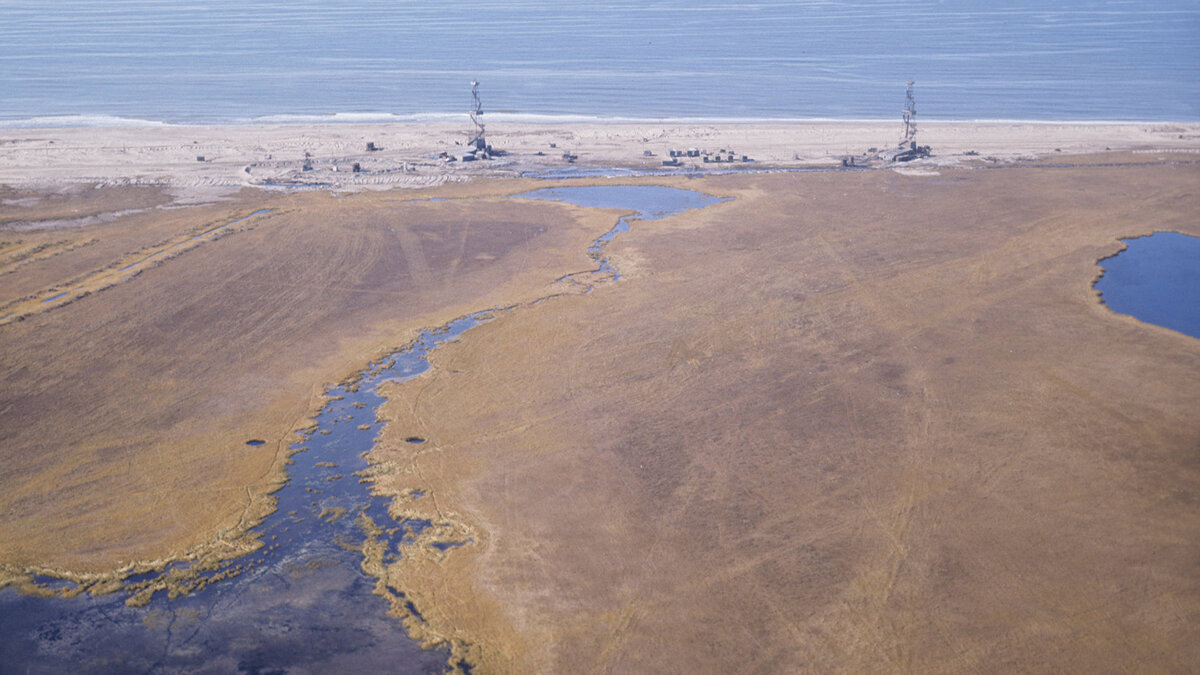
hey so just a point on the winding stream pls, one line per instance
(302, 600)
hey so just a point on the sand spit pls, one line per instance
(198, 163)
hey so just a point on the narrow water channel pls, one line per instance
(302, 601)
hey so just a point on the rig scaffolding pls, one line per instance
(477, 141)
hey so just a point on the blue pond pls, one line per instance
(302, 602)
(1156, 280)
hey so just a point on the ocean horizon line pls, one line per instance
(352, 118)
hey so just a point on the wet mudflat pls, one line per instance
(1157, 280)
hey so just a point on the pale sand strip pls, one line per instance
(236, 156)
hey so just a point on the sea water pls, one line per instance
(236, 61)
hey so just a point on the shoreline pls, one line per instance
(203, 163)
(75, 121)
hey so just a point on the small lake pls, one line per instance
(302, 602)
(1156, 280)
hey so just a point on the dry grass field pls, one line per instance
(842, 422)
(846, 422)
(125, 412)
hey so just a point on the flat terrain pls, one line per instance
(847, 422)
(408, 154)
(127, 404)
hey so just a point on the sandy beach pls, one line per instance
(840, 421)
(408, 154)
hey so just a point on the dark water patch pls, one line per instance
(57, 297)
(1156, 279)
(141, 577)
(412, 609)
(447, 545)
(414, 439)
(304, 616)
(413, 528)
(256, 442)
(54, 583)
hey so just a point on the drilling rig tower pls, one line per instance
(477, 141)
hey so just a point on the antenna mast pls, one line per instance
(909, 114)
(476, 114)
